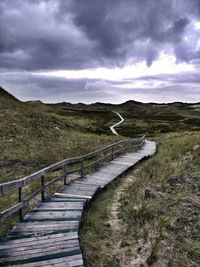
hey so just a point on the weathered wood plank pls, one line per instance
(37, 240)
(70, 261)
(123, 163)
(83, 183)
(126, 159)
(103, 175)
(53, 215)
(136, 159)
(38, 227)
(78, 192)
(55, 198)
(81, 186)
(29, 252)
(99, 182)
(72, 195)
(59, 205)
(9, 250)
(24, 257)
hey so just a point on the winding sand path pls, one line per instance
(112, 128)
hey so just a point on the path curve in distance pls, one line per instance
(112, 128)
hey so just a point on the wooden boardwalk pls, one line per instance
(48, 234)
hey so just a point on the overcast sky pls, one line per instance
(101, 50)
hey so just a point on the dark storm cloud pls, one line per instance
(113, 25)
(31, 37)
(74, 34)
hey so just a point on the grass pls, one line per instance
(31, 139)
(159, 211)
(96, 234)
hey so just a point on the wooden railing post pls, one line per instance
(125, 147)
(65, 177)
(82, 168)
(20, 200)
(96, 163)
(112, 152)
(42, 185)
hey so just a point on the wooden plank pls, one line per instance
(122, 163)
(102, 178)
(65, 199)
(94, 176)
(78, 192)
(115, 169)
(44, 246)
(103, 175)
(72, 195)
(112, 166)
(53, 215)
(77, 263)
(81, 191)
(33, 251)
(96, 182)
(46, 224)
(126, 160)
(81, 186)
(85, 183)
(24, 256)
(38, 227)
(132, 157)
(37, 240)
(70, 261)
(59, 205)
(109, 170)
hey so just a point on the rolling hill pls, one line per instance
(34, 134)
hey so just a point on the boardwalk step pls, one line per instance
(33, 251)
(53, 215)
(56, 198)
(59, 206)
(64, 194)
(37, 240)
(41, 256)
(41, 227)
(70, 261)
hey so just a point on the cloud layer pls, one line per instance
(76, 34)
(43, 35)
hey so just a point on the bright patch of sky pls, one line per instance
(166, 64)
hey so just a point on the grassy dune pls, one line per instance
(32, 137)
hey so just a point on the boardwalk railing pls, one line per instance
(78, 165)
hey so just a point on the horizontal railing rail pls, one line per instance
(93, 159)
